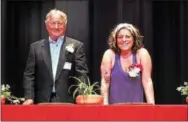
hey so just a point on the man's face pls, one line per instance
(55, 26)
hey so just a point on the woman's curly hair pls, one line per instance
(112, 41)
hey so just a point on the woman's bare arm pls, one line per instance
(106, 66)
(146, 62)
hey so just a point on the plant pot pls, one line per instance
(89, 99)
(186, 99)
(3, 99)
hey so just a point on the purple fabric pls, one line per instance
(122, 88)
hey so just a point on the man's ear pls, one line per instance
(46, 22)
(65, 26)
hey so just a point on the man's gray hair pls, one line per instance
(55, 11)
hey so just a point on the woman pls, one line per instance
(126, 68)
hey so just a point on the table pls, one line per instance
(74, 112)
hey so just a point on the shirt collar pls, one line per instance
(61, 38)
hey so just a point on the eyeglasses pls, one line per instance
(57, 24)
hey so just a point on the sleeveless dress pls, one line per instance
(122, 88)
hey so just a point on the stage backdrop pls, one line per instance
(164, 25)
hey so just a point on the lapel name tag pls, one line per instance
(67, 65)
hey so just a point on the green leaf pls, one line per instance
(82, 88)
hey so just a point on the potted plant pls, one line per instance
(184, 90)
(86, 92)
(6, 96)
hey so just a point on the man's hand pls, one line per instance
(28, 102)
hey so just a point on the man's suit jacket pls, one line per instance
(38, 78)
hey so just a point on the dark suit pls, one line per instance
(38, 78)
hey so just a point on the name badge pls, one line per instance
(67, 65)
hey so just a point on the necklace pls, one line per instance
(126, 56)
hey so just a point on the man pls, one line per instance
(51, 62)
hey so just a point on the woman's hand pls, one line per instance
(28, 102)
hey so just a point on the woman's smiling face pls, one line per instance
(125, 40)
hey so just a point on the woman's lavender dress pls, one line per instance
(122, 88)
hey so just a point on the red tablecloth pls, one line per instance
(95, 112)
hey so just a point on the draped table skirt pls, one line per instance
(74, 112)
